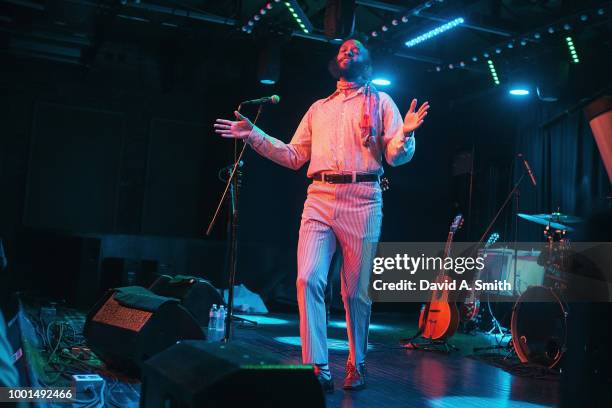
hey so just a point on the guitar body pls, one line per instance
(439, 320)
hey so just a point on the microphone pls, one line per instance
(526, 164)
(274, 99)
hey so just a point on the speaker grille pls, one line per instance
(114, 314)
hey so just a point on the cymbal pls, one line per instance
(558, 217)
(542, 221)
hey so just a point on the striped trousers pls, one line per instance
(344, 217)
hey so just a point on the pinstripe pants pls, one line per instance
(345, 217)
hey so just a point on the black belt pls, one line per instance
(344, 178)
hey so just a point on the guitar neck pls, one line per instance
(447, 252)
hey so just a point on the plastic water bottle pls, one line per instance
(213, 318)
(221, 322)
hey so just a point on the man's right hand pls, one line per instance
(241, 128)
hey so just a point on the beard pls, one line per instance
(352, 71)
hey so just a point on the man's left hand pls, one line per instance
(414, 119)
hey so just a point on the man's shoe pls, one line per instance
(327, 384)
(355, 377)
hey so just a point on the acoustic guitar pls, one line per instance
(471, 305)
(439, 318)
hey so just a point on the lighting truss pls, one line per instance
(299, 16)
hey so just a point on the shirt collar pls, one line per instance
(337, 92)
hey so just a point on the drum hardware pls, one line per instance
(539, 317)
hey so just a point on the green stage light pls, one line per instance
(572, 50)
(493, 72)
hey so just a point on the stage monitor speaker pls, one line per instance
(599, 115)
(129, 325)
(198, 374)
(195, 294)
(339, 21)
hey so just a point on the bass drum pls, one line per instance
(539, 327)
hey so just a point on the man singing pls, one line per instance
(344, 136)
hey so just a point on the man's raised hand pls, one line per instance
(413, 118)
(241, 128)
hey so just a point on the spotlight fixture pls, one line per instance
(572, 50)
(381, 82)
(435, 32)
(268, 61)
(519, 91)
(493, 72)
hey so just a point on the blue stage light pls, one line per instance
(470, 401)
(267, 81)
(519, 91)
(264, 320)
(341, 324)
(381, 82)
(332, 344)
(436, 31)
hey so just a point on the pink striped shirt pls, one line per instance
(330, 137)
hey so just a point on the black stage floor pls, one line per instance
(397, 377)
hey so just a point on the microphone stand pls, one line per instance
(513, 192)
(232, 187)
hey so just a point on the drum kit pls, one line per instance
(539, 316)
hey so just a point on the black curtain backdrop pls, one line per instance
(565, 160)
